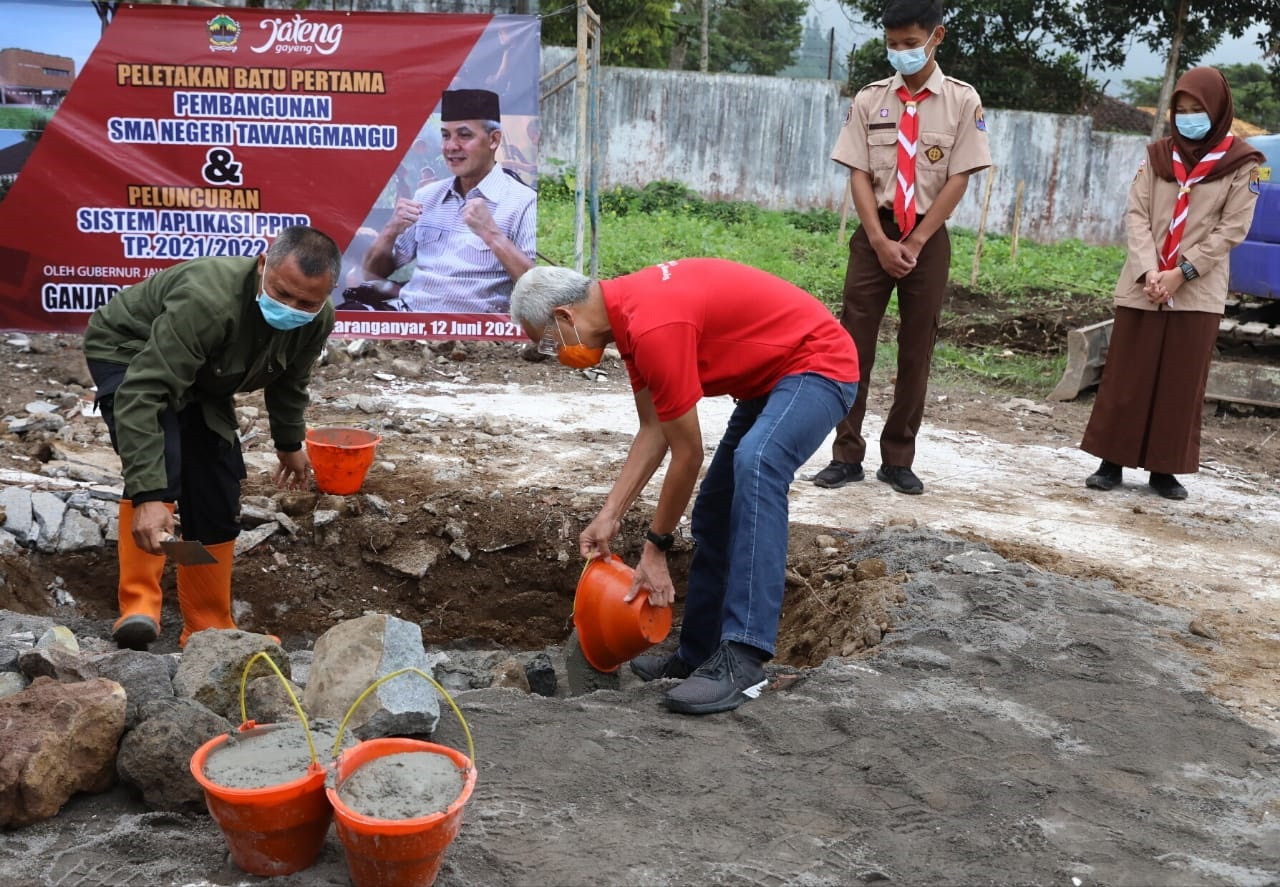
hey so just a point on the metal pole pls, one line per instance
(594, 135)
(831, 51)
(582, 88)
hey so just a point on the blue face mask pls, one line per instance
(909, 61)
(280, 315)
(1193, 126)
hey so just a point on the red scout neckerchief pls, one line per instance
(1169, 252)
(904, 198)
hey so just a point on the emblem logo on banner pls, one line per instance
(224, 33)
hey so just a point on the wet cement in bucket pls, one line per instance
(402, 786)
(270, 754)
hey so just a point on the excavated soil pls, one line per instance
(1010, 679)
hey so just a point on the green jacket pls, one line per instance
(193, 333)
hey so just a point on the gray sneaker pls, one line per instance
(652, 666)
(722, 683)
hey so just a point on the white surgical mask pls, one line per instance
(909, 61)
(1193, 126)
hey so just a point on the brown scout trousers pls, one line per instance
(866, 295)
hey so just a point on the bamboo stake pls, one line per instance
(982, 228)
(1017, 223)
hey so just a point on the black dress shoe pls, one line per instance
(1107, 477)
(1167, 485)
(837, 474)
(901, 478)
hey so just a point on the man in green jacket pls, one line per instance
(168, 355)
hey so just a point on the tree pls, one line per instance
(756, 36)
(1185, 30)
(745, 36)
(1006, 49)
(635, 33)
(1256, 98)
(1144, 92)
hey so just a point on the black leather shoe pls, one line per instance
(1167, 485)
(837, 474)
(1107, 477)
(901, 478)
(652, 666)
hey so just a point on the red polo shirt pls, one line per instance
(694, 328)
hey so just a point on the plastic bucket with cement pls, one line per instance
(340, 458)
(397, 827)
(610, 631)
(275, 829)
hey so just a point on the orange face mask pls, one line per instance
(577, 357)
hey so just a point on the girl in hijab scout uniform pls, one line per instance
(1191, 202)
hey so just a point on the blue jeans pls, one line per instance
(740, 516)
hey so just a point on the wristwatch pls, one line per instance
(1189, 271)
(661, 541)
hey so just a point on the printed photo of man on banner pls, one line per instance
(192, 132)
(462, 222)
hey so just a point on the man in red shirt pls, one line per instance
(688, 329)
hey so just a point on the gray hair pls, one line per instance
(543, 289)
(315, 251)
(491, 126)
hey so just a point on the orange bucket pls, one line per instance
(275, 830)
(340, 458)
(397, 852)
(609, 631)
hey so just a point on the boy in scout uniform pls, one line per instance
(911, 142)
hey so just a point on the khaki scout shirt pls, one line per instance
(953, 136)
(1218, 218)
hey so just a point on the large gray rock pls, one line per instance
(155, 756)
(352, 656)
(48, 511)
(58, 739)
(78, 533)
(18, 519)
(268, 702)
(145, 678)
(213, 664)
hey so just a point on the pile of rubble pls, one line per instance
(76, 716)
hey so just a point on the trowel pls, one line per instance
(187, 553)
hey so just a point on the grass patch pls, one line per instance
(664, 220)
(23, 118)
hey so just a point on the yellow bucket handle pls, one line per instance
(471, 746)
(244, 712)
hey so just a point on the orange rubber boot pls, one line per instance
(138, 592)
(204, 592)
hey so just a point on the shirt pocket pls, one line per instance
(882, 147)
(933, 161)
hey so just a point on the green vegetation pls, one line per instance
(23, 118)
(664, 220)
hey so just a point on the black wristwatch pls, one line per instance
(1189, 271)
(661, 541)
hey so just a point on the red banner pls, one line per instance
(196, 131)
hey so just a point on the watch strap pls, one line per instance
(661, 541)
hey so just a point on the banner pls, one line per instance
(204, 131)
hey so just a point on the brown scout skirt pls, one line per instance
(1148, 410)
